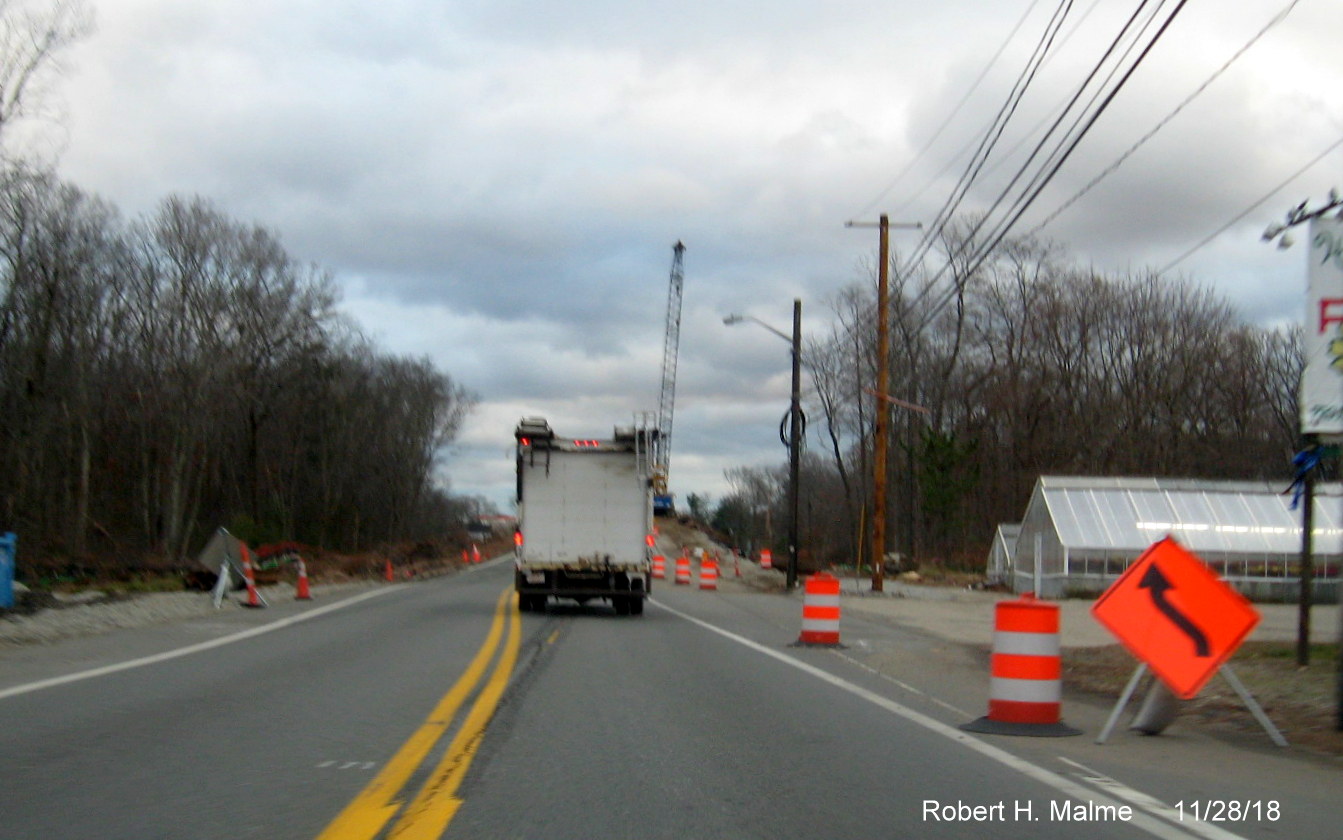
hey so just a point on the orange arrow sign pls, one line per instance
(1173, 613)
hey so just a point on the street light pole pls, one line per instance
(794, 432)
(795, 446)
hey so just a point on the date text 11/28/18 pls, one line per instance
(1229, 810)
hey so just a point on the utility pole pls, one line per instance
(1318, 391)
(883, 385)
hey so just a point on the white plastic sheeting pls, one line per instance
(1078, 534)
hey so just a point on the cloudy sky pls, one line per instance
(498, 184)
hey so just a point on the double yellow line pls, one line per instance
(428, 814)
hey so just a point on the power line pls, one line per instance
(954, 111)
(960, 153)
(1278, 18)
(994, 132)
(978, 254)
(1037, 181)
(1248, 210)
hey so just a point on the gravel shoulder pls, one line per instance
(93, 613)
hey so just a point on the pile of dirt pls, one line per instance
(1301, 702)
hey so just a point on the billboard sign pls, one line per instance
(1322, 380)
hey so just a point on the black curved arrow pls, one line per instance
(1153, 579)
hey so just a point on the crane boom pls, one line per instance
(667, 403)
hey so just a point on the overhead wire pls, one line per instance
(977, 254)
(990, 138)
(955, 158)
(954, 112)
(1052, 160)
(1115, 44)
(1248, 210)
(1109, 170)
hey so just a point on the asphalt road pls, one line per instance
(436, 709)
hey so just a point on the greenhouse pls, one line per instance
(1079, 534)
(1000, 555)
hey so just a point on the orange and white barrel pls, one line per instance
(708, 573)
(1025, 671)
(659, 567)
(766, 558)
(683, 570)
(820, 610)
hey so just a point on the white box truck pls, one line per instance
(585, 517)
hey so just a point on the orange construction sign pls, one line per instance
(1172, 612)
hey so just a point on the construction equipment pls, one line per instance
(662, 498)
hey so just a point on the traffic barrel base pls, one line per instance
(1026, 679)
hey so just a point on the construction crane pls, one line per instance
(662, 500)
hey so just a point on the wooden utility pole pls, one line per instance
(883, 386)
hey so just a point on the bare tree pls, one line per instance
(1031, 366)
(32, 38)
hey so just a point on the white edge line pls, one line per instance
(1141, 818)
(187, 651)
(1150, 803)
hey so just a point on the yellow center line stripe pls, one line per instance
(427, 817)
(368, 813)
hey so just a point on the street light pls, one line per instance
(794, 428)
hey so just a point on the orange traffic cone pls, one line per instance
(301, 592)
(253, 597)
(387, 573)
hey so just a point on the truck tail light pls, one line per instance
(517, 539)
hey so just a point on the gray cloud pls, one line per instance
(498, 184)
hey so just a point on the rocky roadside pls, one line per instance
(46, 618)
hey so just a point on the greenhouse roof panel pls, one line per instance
(1210, 516)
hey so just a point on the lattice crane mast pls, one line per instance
(662, 502)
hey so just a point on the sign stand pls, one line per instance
(1248, 699)
(1123, 701)
(1252, 705)
(221, 585)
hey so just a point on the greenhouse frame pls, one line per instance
(1079, 534)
